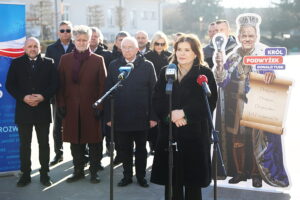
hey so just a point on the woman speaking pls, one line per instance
(192, 161)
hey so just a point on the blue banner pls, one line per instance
(11, 44)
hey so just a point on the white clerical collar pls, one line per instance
(33, 59)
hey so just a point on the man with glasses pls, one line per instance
(133, 113)
(62, 46)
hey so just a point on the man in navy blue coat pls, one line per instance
(62, 46)
(133, 112)
(32, 80)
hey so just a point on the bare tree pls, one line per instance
(120, 17)
(95, 16)
(41, 15)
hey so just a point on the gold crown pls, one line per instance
(248, 19)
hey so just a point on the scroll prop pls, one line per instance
(266, 105)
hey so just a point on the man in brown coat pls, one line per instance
(82, 75)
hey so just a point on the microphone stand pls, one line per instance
(169, 88)
(112, 131)
(216, 147)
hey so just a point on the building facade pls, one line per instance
(110, 16)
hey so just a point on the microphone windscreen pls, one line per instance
(201, 79)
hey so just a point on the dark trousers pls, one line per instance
(78, 152)
(25, 135)
(179, 191)
(190, 193)
(57, 133)
(152, 136)
(125, 140)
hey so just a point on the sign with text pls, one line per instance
(11, 46)
(266, 105)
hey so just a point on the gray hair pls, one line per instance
(130, 39)
(143, 32)
(68, 23)
(82, 30)
(98, 31)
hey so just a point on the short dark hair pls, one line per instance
(122, 34)
(220, 21)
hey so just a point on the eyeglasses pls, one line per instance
(159, 44)
(127, 49)
(63, 30)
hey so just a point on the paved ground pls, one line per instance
(84, 190)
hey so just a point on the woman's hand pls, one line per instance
(176, 115)
(181, 122)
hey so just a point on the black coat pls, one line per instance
(56, 50)
(193, 140)
(133, 108)
(115, 53)
(23, 80)
(107, 55)
(158, 60)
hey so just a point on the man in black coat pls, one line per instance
(133, 113)
(117, 52)
(32, 80)
(98, 47)
(143, 42)
(221, 26)
(62, 46)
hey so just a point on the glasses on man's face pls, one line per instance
(127, 48)
(159, 44)
(63, 30)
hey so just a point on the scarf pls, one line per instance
(80, 58)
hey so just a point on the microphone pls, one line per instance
(125, 71)
(202, 81)
(171, 76)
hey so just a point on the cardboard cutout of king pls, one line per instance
(247, 152)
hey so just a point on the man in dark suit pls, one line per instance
(62, 46)
(133, 113)
(32, 80)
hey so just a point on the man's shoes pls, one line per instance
(24, 180)
(152, 152)
(256, 181)
(101, 168)
(124, 182)
(86, 160)
(238, 178)
(117, 160)
(45, 180)
(77, 175)
(94, 178)
(57, 159)
(143, 182)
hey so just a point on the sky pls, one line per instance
(242, 3)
